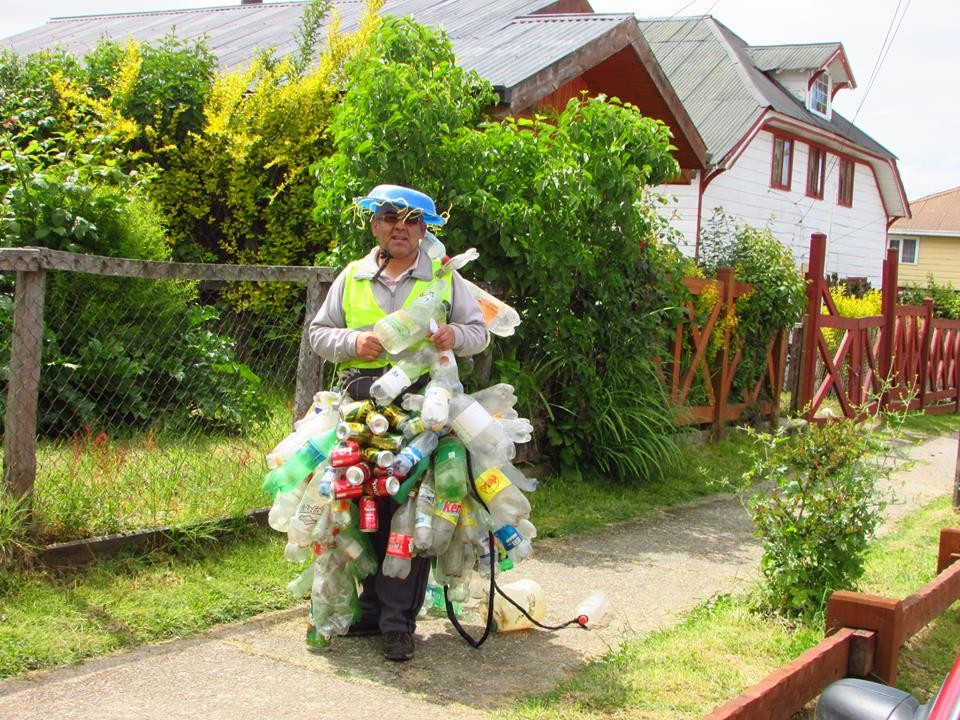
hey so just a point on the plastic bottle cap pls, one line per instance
(582, 620)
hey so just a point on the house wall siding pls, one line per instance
(856, 236)
(937, 256)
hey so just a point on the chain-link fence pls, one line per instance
(141, 394)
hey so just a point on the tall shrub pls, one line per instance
(778, 296)
(554, 204)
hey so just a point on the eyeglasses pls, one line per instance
(393, 218)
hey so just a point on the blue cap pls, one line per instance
(401, 197)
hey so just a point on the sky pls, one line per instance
(912, 107)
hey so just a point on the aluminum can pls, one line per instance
(377, 423)
(353, 431)
(389, 442)
(345, 454)
(385, 485)
(369, 517)
(394, 415)
(380, 458)
(359, 474)
(357, 411)
(343, 489)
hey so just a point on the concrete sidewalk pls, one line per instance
(652, 570)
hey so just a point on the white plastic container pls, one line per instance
(526, 593)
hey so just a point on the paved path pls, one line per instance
(652, 570)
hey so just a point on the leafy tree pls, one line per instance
(555, 206)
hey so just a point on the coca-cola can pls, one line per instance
(345, 454)
(383, 485)
(359, 474)
(343, 489)
(369, 517)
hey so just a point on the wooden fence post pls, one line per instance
(721, 381)
(20, 421)
(923, 381)
(309, 365)
(889, 290)
(816, 284)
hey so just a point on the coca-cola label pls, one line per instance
(449, 511)
(398, 545)
(345, 455)
(471, 422)
(369, 518)
(343, 488)
(489, 483)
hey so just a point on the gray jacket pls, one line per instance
(334, 342)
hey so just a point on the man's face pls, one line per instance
(398, 230)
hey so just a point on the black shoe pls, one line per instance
(364, 628)
(398, 646)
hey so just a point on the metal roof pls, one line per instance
(234, 32)
(530, 44)
(793, 57)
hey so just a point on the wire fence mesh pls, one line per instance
(157, 399)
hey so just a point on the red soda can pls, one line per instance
(384, 485)
(345, 454)
(344, 489)
(369, 518)
(359, 474)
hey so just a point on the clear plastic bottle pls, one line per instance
(480, 432)
(403, 328)
(498, 400)
(402, 375)
(396, 562)
(309, 426)
(518, 548)
(423, 525)
(287, 476)
(500, 318)
(446, 516)
(302, 525)
(449, 569)
(300, 586)
(285, 506)
(594, 611)
(519, 430)
(450, 468)
(458, 261)
(444, 383)
(432, 245)
(417, 449)
(527, 594)
(506, 503)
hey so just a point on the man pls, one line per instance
(389, 277)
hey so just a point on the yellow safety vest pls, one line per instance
(361, 310)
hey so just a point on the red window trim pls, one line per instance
(853, 173)
(823, 170)
(774, 180)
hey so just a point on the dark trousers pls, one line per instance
(391, 602)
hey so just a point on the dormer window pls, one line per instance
(819, 100)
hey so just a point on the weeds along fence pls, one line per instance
(128, 381)
(864, 637)
(903, 359)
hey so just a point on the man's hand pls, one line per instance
(368, 346)
(442, 338)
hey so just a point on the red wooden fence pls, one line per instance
(693, 367)
(902, 359)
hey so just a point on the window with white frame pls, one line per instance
(908, 249)
(819, 100)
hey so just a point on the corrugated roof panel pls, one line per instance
(792, 57)
(530, 44)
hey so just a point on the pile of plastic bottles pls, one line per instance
(444, 456)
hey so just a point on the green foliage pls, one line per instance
(115, 351)
(946, 300)
(778, 296)
(555, 207)
(824, 507)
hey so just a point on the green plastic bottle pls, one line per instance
(303, 462)
(450, 468)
